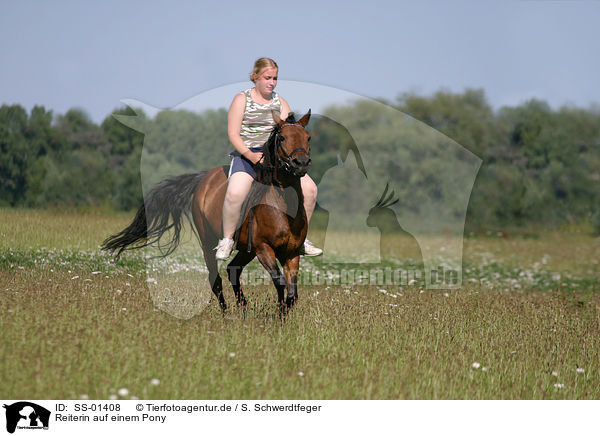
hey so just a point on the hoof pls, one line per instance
(290, 301)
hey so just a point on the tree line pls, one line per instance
(541, 166)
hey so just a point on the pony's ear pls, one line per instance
(304, 120)
(276, 118)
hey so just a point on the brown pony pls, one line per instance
(275, 217)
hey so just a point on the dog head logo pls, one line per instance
(26, 415)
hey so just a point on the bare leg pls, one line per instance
(237, 191)
(309, 191)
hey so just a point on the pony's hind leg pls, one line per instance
(214, 278)
(234, 272)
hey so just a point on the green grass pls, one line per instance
(74, 323)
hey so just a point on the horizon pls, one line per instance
(592, 107)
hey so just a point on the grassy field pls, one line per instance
(524, 325)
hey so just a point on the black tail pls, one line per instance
(163, 210)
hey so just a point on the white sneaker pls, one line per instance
(224, 248)
(310, 250)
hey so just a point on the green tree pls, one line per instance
(124, 158)
(15, 152)
(467, 118)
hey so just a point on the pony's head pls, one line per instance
(288, 146)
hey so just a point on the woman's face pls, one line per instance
(266, 81)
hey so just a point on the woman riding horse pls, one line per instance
(249, 125)
(273, 229)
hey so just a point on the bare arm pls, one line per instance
(285, 108)
(234, 126)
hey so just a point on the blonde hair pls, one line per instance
(260, 65)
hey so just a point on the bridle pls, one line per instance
(286, 164)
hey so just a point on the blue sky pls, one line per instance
(91, 55)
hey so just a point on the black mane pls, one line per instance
(265, 170)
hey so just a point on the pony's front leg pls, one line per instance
(267, 258)
(290, 269)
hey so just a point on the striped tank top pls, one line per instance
(258, 120)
